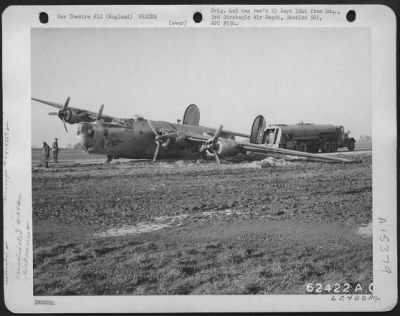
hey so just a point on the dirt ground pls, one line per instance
(190, 227)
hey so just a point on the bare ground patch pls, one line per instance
(234, 230)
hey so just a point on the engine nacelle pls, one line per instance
(71, 117)
(226, 147)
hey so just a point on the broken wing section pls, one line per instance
(229, 134)
(265, 149)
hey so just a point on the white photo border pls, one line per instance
(17, 186)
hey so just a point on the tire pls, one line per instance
(333, 147)
(326, 147)
(303, 147)
(351, 145)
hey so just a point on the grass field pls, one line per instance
(188, 228)
(64, 155)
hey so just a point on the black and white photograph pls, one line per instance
(197, 161)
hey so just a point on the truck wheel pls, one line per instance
(326, 147)
(333, 147)
(303, 147)
(351, 145)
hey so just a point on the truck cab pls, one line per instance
(272, 136)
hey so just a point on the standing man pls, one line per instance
(55, 149)
(46, 154)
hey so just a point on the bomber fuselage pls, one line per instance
(135, 139)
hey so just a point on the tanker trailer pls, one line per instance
(308, 137)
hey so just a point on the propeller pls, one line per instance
(161, 139)
(61, 113)
(157, 140)
(211, 144)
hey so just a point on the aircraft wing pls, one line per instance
(266, 149)
(53, 104)
(201, 135)
(105, 118)
(197, 138)
(261, 148)
(202, 138)
(76, 115)
(226, 133)
(218, 145)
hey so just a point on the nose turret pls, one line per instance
(86, 135)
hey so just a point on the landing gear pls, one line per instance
(108, 160)
(333, 147)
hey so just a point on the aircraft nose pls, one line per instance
(85, 135)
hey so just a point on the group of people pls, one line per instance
(46, 152)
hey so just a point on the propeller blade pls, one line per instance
(156, 151)
(65, 126)
(217, 134)
(152, 127)
(216, 157)
(66, 104)
(98, 117)
(53, 113)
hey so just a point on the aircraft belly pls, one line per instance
(120, 143)
(129, 145)
(173, 152)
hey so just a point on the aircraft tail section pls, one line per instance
(257, 130)
(192, 115)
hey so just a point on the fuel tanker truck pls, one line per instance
(305, 137)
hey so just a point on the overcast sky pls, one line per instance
(317, 75)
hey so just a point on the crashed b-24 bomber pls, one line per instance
(140, 138)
